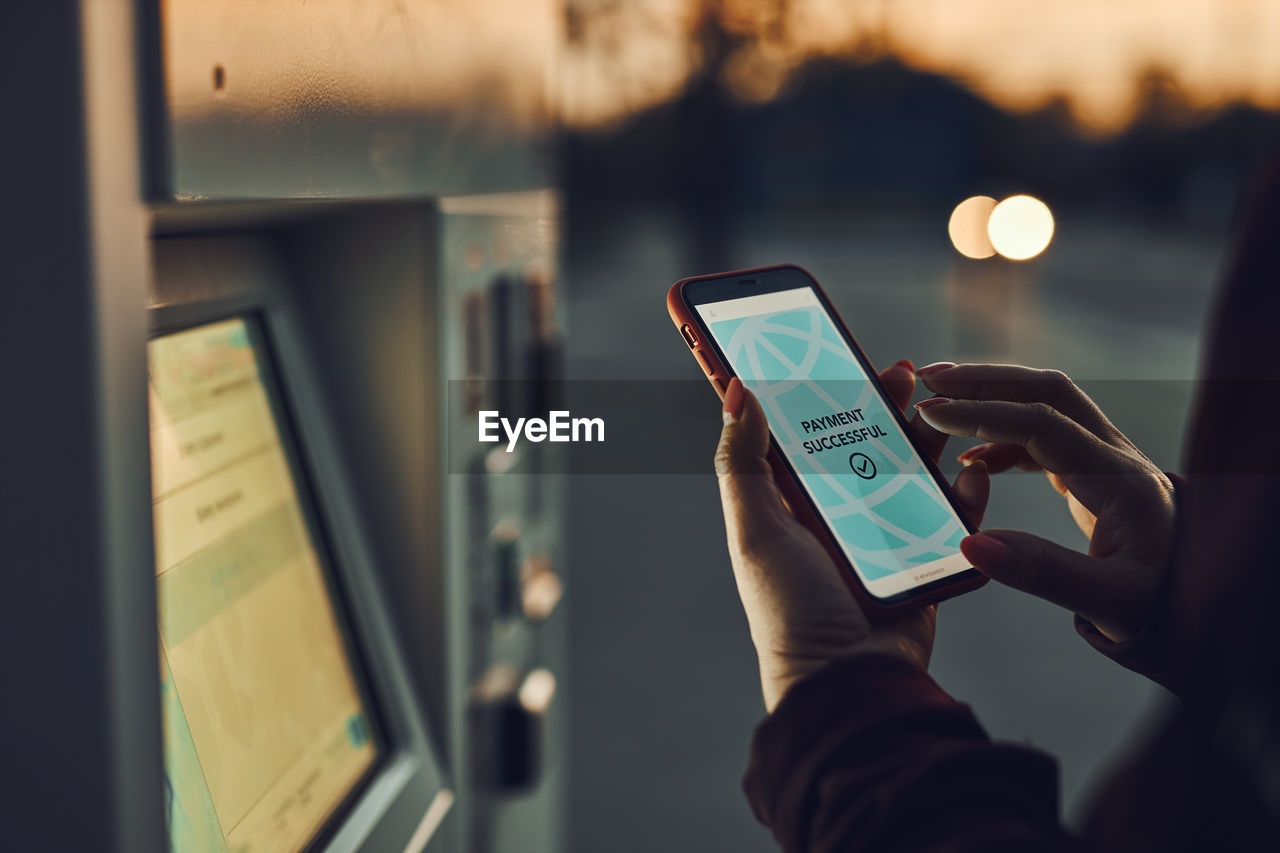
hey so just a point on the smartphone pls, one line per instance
(845, 459)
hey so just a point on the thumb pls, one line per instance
(1093, 587)
(747, 491)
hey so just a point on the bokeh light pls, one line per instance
(1020, 227)
(968, 227)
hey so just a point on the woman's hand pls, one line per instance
(1039, 420)
(800, 611)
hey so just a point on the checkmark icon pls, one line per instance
(862, 465)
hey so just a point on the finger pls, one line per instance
(1097, 589)
(1017, 384)
(1000, 457)
(972, 489)
(931, 441)
(1087, 464)
(899, 381)
(1058, 485)
(1084, 519)
(748, 494)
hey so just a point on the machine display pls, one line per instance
(266, 731)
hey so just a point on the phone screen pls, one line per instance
(850, 453)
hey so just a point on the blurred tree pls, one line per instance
(867, 129)
(1160, 101)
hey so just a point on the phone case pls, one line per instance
(718, 375)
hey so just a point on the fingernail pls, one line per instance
(983, 551)
(968, 454)
(732, 400)
(906, 365)
(936, 367)
(932, 401)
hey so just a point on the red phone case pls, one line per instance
(718, 375)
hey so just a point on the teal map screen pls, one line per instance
(852, 457)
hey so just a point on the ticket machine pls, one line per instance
(258, 256)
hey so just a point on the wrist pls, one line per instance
(780, 673)
(896, 645)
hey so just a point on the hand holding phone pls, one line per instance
(850, 468)
(800, 613)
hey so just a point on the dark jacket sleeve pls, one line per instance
(870, 754)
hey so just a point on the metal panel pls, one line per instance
(82, 762)
(358, 98)
(367, 295)
(500, 333)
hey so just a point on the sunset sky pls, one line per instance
(595, 61)
(1016, 52)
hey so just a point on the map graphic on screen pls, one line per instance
(852, 458)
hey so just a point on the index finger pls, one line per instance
(1014, 383)
(1057, 443)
